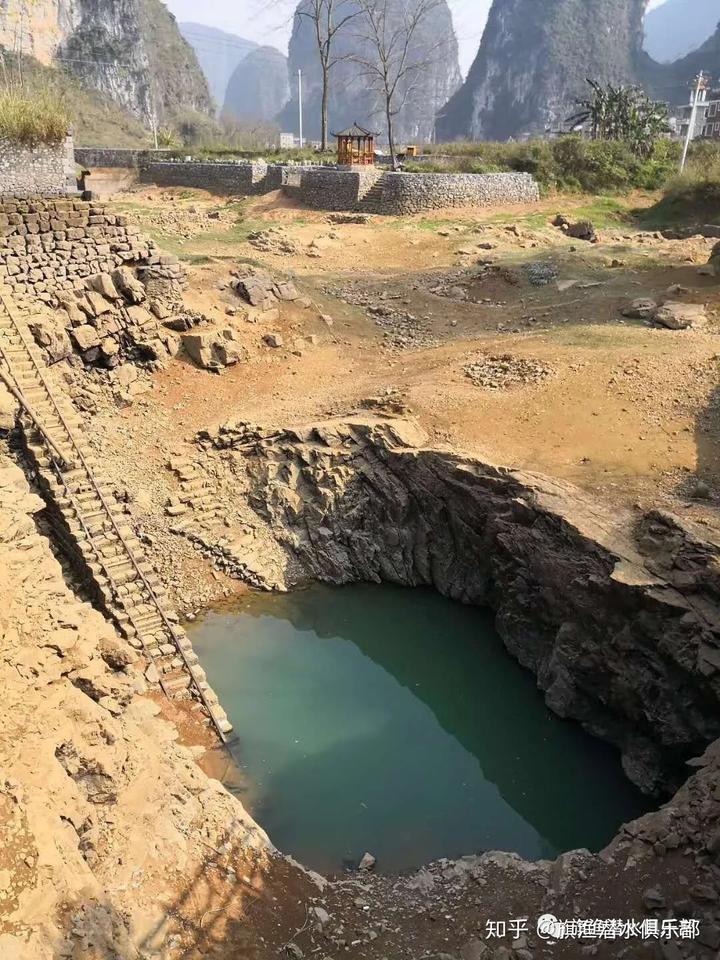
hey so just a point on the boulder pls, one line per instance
(97, 303)
(680, 316)
(139, 316)
(257, 288)
(214, 349)
(51, 336)
(85, 337)
(273, 339)
(103, 284)
(640, 309)
(286, 291)
(75, 315)
(583, 230)
(128, 285)
(367, 863)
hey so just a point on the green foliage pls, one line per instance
(624, 114)
(167, 139)
(694, 195)
(568, 163)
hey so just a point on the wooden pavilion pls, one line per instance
(356, 146)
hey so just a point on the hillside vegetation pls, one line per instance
(54, 99)
(568, 163)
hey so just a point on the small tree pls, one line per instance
(394, 53)
(622, 113)
(328, 18)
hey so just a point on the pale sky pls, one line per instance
(270, 21)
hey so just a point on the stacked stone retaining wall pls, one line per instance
(123, 159)
(51, 245)
(329, 189)
(47, 168)
(408, 193)
(233, 179)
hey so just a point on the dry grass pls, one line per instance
(32, 116)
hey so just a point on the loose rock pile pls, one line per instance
(541, 274)
(261, 290)
(274, 240)
(110, 320)
(401, 330)
(502, 372)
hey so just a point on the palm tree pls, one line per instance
(622, 113)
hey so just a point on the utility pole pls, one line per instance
(699, 88)
(300, 106)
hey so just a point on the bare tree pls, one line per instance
(328, 17)
(395, 52)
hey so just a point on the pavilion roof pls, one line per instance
(355, 131)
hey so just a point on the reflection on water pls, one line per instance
(382, 719)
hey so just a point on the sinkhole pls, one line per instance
(392, 720)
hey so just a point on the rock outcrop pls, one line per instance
(351, 101)
(534, 60)
(617, 616)
(258, 88)
(130, 50)
(218, 54)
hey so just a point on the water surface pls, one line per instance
(391, 720)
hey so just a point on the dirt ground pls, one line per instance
(623, 408)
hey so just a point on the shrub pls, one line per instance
(32, 115)
(568, 163)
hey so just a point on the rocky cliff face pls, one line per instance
(258, 88)
(218, 54)
(533, 62)
(130, 50)
(351, 100)
(616, 616)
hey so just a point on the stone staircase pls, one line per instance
(372, 201)
(83, 503)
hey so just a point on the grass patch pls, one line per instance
(32, 116)
(569, 163)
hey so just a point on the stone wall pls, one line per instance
(125, 159)
(408, 193)
(233, 179)
(330, 189)
(48, 246)
(45, 169)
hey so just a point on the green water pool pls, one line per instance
(391, 720)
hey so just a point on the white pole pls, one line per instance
(699, 86)
(300, 106)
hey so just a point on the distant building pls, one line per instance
(711, 125)
(288, 141)
(707, 117)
